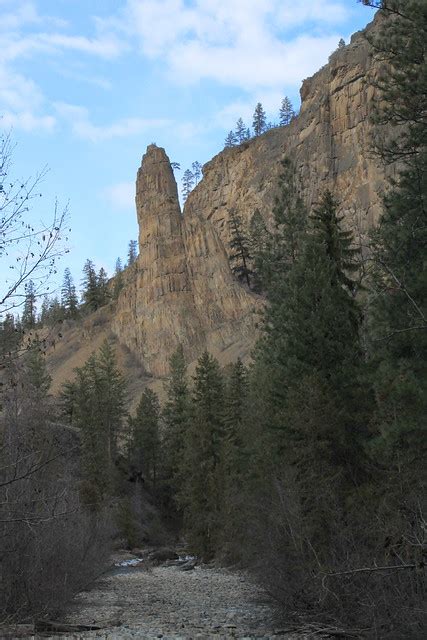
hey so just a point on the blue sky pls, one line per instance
(86, 85)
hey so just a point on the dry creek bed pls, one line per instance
(144, 601)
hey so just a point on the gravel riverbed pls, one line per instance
(166, 602)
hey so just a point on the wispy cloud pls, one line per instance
(80, 122)
(242, 43)
(121, 195)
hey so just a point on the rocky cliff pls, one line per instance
(181, 289)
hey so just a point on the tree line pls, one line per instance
(307, 465)
(95, 293)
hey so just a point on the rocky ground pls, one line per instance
(173, 599)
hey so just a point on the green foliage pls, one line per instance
(35, 369)
(259, 120)
(398, 323)
(187, 184)
(132, 252)
(176, 416)
(201, 499)
(69, 300)
(286, 113)
(29, 314)
(95, 402)
(145, 443)
(231, 140)
(240, 257)
(118, 279)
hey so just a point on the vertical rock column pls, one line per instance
(155, 309)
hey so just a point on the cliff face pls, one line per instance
(329, 143)
(181, 289)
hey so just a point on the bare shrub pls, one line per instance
(366, 574)
(50, 546)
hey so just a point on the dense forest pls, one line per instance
(304, 466)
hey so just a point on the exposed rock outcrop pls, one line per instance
(181, 289)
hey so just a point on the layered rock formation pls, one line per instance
(181, 289)
(330, 144)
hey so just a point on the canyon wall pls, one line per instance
(181, 288)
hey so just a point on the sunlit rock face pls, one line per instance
(181, 288)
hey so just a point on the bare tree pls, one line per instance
(29, 249)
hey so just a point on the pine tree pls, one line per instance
(113, 390)
(197, 171)
(398, 318)
(35, 369)
(239, 244)
(201, 497)
(29, 313)
(95, 399)
(10, 336)
(132, 252)
(286, 113)
(240, 132)
(187, 184)
(102, 282)
(231, 140)
(259, 121)
(339, 248)
(341, 43)
(91, 296)
(69, 298)
(234, 458)
(260, 243)
(145, 446)
(44, 311)
(176, 416)
(118, 279)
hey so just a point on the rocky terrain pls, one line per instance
(138, 600)
(181, 288)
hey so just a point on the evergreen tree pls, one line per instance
(118, 279)
(91, 297)
(187, 184)
(112, 385)
(197, 171)
(286, 113)
(69, 298)
(44, 311)
(102, 282)
(398, 320)
(176, 416)
(95, 399)
(260, 243)
(145, 447)
(10, 336)
(234, 459)
(55, 312)
(29, 313)
(240, 132)
(35, 368)
(259, 121)
(341, 43)
(201, 498)
(231, 140)
(239, 244)
(339, 248)
(132, 252)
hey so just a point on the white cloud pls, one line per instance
(27, 121)
(82, 126)
(121, 195)
(243, 43)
